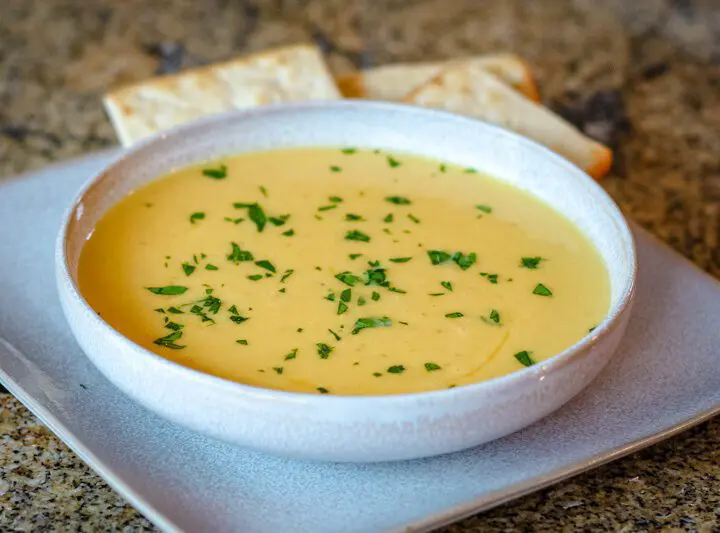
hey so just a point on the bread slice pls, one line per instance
(281, 75)
(471, 90)
(394, 82)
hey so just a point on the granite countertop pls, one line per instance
(641, 76)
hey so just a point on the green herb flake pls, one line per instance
(414, 218)
(437, 294)
(393, 162)
(196, 216)
(443, 168)
(464, 261)
(400, 259)
(495, 316)
(484, 208)
(492, 278)
(346, 295)
(278, 369)
(242, 341)
(233, 220)
(286, 275)
(456, 314)
(354, 256)
(263, 191)
(349, 151)
(175, 311)
(218, 173)
(168, 290)
(356, 235)
(337, 337)
(530, 262)
(188, 268)
(470, 170)
(375, 296)
(352, 217)
(361, 301)
(377, 374)
(238, 319)
(438, 257)
(327, 207)
(335, 168)
(371, 322)
(267, 265)
(168, 341)
(257, 215)
(342, 308)
(322, 390)
(291, 355)
(238, 255)
(396, 369)
(255, 277)
(324, 350)
(524, 358)
(289, 233)
(348, 278)
(542, 290)
(278, 221)
(173, 326)
(432, 367)
(447, 285)
(398, 200)
(388, 218)
(592, 329)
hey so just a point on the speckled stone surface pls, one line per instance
(642, 76)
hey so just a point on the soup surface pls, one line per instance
(343, 271)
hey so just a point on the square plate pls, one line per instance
(664, 378)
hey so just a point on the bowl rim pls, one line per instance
(519, 377)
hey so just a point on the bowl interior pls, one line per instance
(501, 154)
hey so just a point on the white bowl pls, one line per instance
(352, 428)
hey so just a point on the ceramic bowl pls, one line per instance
(352, 428)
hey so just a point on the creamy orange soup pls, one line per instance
(343, 271)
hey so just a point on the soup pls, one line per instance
(343, 271)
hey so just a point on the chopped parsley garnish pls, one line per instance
(492, 278)
(375, 296)
(396, 369)
(356, 235)
(263, 191)
(395, 289)
(437, 293)
(542, 290)
(278, 369)
(371, 322)
(398, 200)
(335, 199)
(289, 233)
(524, 358)
(354, 256)
(495, 316)
(443, 168)
(324, 350)
(438, 257)
(432, 367)
(348, 278)
(464, 261)
(414, 218)
(348, 151)
(255, 277)
(216, 173)
(175, 311)
(484, 208)
(456, 314)
(330, 297)
(211, 267)
(470, 170)
(352, 217)
(346, 295)
(278, 221)
(400, 259)
(196, 216)
(291, 355)
(238, 255)
(168, 341)
(337, 337)
(377, 374)
(393, 162)
(234, 220)
(361, 301)
(168, 290)
(188, 268)
(530, 262)
(286, 275)
(242, 341)
(327, 207)
(267, 265)
(342, 308)
(388, 218)
(335, 168)
(322, 390)
(447, 285)
(589, 331)
(173, 326)
(239, 319)
(257, 215)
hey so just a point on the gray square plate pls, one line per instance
(664, 378)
